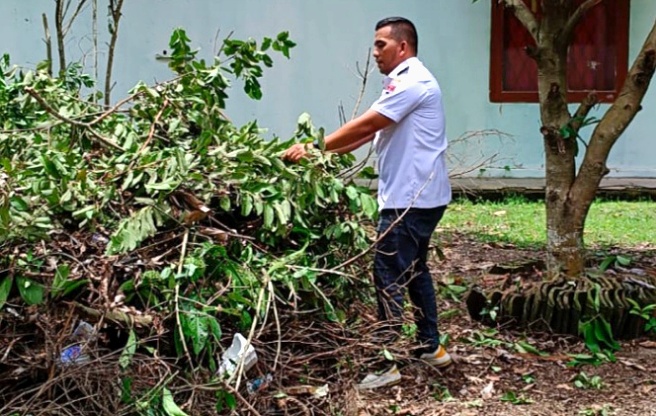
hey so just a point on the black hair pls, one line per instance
(402, 30)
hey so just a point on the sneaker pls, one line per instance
(439, 358)
(374, 381)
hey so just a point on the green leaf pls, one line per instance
(224, 203)
(18, 204)
(388, 355)
(126, 390)
(169, 406)
(606, 263)
(524, 347)
(132, 231)
(31, 291)
(369, 205)
(195, 328)
(5, 288)
(246, 205)
(268, 216)
(128, 351)
(225, 400)
(623, 260)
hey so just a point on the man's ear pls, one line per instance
(404, 47)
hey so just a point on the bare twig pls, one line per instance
(78, 9)
(176, 300)
(59, 27)
(238, 395)
(364, 75)
(115, 7)
(278, 328)
(115, 108)
(387, 231)
(251, 333)
(48, 42)
(94, 29)
(116, 316)
(153, 126)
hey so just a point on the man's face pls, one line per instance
(388, 52)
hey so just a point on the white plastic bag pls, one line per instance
(240, 350)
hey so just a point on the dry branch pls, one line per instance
(115, 11)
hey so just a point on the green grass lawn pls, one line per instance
(521, 222)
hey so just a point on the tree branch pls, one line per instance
(59, 25)
(525, 16)
(582, 112)
(115, 12)
(48, 42)
(103, 141)
(77, 11)
(575, 18)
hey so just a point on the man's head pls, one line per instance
(394, 42)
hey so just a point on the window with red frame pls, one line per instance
(597, 57)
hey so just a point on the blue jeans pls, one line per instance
(400, 263)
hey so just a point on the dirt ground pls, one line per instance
(492, 376)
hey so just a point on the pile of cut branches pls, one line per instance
(136, 240)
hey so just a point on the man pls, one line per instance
(407, 123)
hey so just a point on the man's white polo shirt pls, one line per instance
(411, 152)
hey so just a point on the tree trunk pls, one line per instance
(565, 212)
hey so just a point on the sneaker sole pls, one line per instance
(374, 382)
(439, 362)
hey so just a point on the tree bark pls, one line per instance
(59, 28)
(564, 221)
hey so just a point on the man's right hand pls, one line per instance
(296, 152)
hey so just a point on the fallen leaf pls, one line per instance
(215, 233)
(522, 370)
(648, 344)
(631, 364)
(564, 387)
(488, 391)
(648, 388)
(475, 380)
(500, 213)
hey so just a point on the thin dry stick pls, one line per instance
(48, 42)
(381, 236)
(236, 393)
(183, 253)
(152, 127)
(94, 29)
(115, 108)
(77, 11)
(251, 333)
(115, 11)
(278, 328)
(365, 76)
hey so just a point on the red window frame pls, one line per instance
(619, 8)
